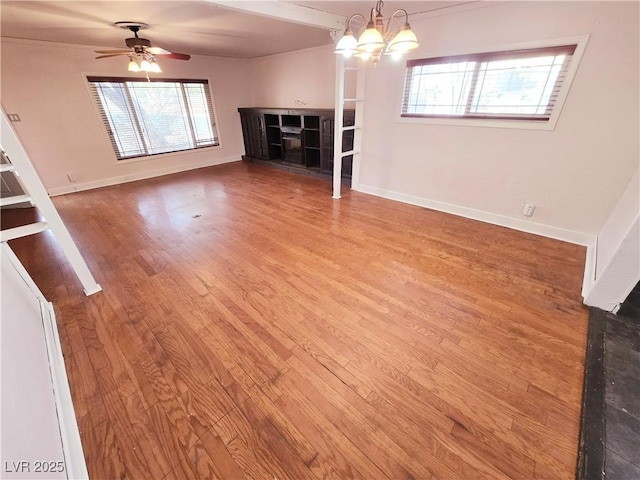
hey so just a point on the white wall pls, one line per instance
(618, 224)
(30, 430)
(285, 80)
(617, 253)
(45, 83)
(574, 174)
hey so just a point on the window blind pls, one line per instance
(519, 84)
(151, 117)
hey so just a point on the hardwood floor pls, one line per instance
(252, 327)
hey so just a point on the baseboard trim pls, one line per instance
(557, 233)
(106, 182)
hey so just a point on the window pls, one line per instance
(508, 85)
(158, 116)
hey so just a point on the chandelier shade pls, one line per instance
(347, 44)
(404, 41)
(370, 40)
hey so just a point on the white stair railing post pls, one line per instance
(358, 123)
(338, 127)
(38, 195)
(338, 133)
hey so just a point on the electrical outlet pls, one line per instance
(71, 177)
(528, 210)
(13, 117)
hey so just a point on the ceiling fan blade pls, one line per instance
(175, 56)
(112, 55)
(158, 51)
(113, 51)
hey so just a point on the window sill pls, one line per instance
(165, 155)
(549, 125)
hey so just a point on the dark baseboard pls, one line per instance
(591, 453)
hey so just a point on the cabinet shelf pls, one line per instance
(262, 134)
(312, 122)
(291, 120)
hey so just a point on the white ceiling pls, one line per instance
(193, 27)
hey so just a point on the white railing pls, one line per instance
(339, 127)
(21, 165)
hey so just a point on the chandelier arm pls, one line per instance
(406, 19)
(364, 20)
(373, 14)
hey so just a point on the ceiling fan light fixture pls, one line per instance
(145, 65)
(154, 67)
(133, 66)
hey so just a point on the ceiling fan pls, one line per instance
(141, 54)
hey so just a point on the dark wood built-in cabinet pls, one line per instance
(299, 140)
(255, 139)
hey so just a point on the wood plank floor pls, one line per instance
(252, 327)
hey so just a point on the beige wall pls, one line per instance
(574, 174)
(46, 85)
(302, 79)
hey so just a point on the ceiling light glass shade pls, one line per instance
(378, 40)
(404, 41)
(133, 66)
(370, 40)
(145, 65)
(347, 44)
(154, 67)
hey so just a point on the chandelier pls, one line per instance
(378, 40)
(143, 62)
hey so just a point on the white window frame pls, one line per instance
(580, 41)
(154, 156)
